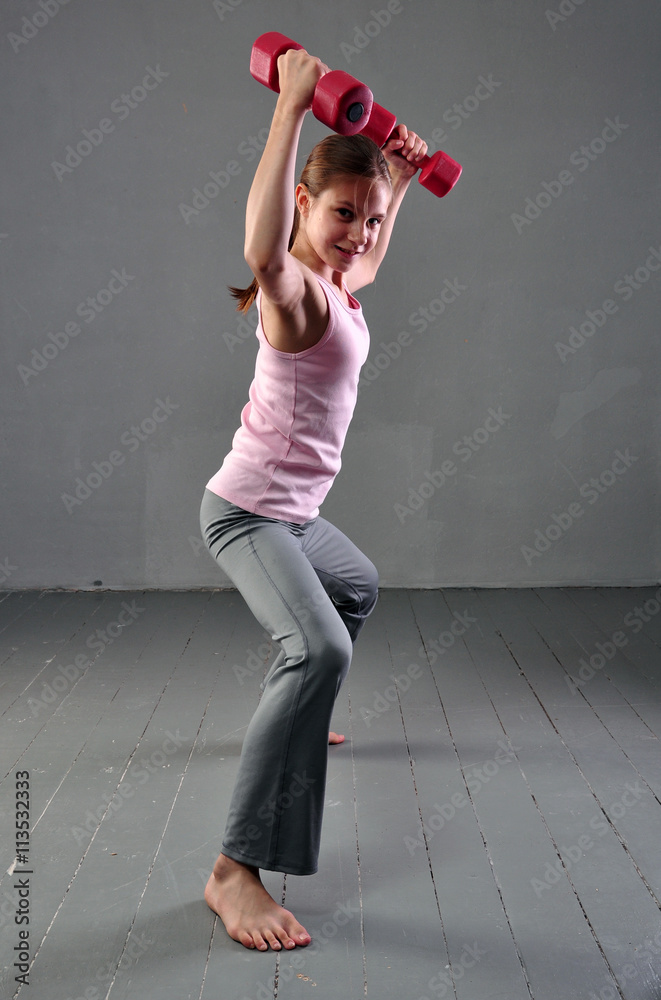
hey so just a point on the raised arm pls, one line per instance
(403, 151)
(270, 208)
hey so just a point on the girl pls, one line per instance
(306, 583)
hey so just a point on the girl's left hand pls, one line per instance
(404, 152)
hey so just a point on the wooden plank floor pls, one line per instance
(492, 823)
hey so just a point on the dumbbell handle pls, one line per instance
(340, 101)
(439, 173)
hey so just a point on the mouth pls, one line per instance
(346, 254)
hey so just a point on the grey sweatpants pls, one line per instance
(311, 589)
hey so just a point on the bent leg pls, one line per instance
(276, 810)
(347, 575)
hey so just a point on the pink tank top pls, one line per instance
(286, 453)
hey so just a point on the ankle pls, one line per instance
(225, 867)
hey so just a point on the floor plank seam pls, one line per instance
(472, 802)
(574, 756)
(359, 877)
(603, 670)
(207, 961)
(128, 764)
(592, 790)
(492, 866)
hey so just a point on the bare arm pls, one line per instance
(402, 151)
(270, 208)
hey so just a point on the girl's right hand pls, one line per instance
(298, 75)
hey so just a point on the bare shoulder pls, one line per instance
(294, 324)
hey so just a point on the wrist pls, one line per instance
(400, 183)
(289, 109)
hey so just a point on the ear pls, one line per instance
(303, 199)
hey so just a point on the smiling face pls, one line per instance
(342, 224)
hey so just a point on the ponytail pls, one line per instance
(245, 296)
(334, 156)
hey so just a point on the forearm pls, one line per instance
(400, 187)
(270, 208)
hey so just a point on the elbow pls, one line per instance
(263, 265)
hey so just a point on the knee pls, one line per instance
(357, 596)
(332, 654)
(371, 589)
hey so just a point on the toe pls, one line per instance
(286, 938)
(272, 940)
(245, 939)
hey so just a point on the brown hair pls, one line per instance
(335, 155)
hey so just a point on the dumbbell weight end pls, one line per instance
(266, 51)
(439, 173)
(342, 103)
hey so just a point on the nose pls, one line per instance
(358, 232)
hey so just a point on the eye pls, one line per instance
(375, 222)
(345, 213)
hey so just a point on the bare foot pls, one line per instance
(335, 738)
(251, 916)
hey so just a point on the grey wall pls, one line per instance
(483, 453)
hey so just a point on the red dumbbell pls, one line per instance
(340, 101)
(439, 172)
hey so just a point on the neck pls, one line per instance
(302, 251)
